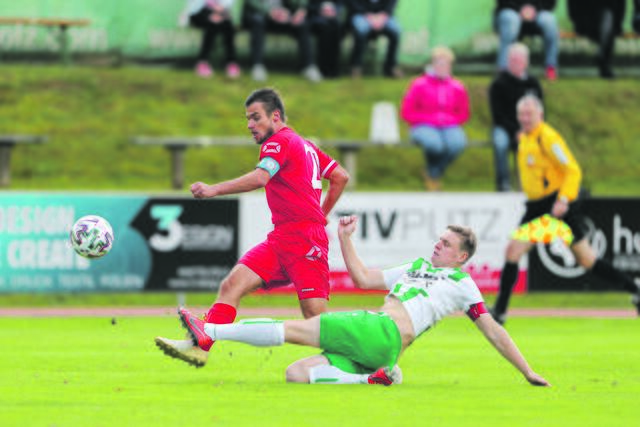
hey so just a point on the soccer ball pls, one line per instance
(91, 236)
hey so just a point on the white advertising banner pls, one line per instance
(399, 227)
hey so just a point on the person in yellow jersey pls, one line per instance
(550, 177)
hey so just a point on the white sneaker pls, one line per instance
(259, 73)
(183, 350)
(312, 73)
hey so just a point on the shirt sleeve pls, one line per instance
(393, 274)
(473, 297)
(563, 159)
(327, 163)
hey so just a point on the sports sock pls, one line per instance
(220, 314)
(507, 281)
(605, 271)
(328, 374)
(257, 332)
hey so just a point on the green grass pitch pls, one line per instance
(88, 372)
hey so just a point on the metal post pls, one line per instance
(64, 45)
(5, 162)
(349, 156)
(177, 165)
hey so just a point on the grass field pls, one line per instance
(88, 372)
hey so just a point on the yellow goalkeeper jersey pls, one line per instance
(546, 165)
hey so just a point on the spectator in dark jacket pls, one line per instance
(635, 21)
(327, 22)
(513, 17)
(213, 17)
(374, 16)
(288, 16)
(599, 21)
(504, 93)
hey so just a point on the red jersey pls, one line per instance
(296, 167)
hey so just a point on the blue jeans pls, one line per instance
(361, 31)
(501, 147)
(508, 24)
(441, 146)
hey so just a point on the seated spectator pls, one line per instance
(436, 106)
(514, 18)
(326, 18)
(600, 22)
(373, 17)
(505, 91)
(284, 16)
(213, 17)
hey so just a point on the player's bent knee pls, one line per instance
(313, 307)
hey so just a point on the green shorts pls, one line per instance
(359, 341)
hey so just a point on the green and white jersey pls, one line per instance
(429, 293)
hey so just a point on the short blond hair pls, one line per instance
(442, 52)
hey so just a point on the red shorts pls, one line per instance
(297, 253)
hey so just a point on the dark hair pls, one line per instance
(468, 240)
(269, 98)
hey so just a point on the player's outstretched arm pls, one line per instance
(253, 180)
(363, 277)
(338, 179)
(501, 340)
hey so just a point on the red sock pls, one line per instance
(220, 314)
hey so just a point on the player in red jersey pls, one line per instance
(291, 169)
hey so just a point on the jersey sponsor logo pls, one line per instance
(423, 278)
(314, 253)
(271, 147)
(307, 289)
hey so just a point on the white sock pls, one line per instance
(328, 374)
(257, 332)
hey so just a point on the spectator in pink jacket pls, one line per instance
(435, 107)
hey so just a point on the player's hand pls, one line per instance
(299, 17)
(537, 380)
(347, 225)
(528, 12)
(200, 190)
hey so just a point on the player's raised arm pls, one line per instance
(501, 340)
(338, 179)
(363, 277)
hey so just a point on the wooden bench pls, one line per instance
(348, 150)
(62, 23)
(7, 142)
(570, 35)
(178, 144)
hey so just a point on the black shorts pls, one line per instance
(573, 218)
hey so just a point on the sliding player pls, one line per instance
(363, 346)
